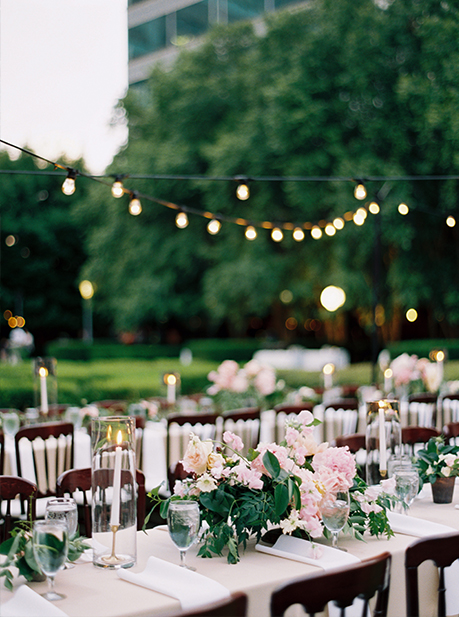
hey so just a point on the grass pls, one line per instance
(131, 380)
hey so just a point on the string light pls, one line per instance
(277, 234)
(68, 186)
(330, 229)
(181, 220)
(316, 232)
(338, 223)
(135, 207)
(373, 207)
(298, 234)
(360, 192)
(250, 232)
(117, 188)
(451, 221)
(242, 191)
(358, 218)
(214, 226)
(403, 209)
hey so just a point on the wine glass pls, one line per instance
(63, 509)
(10, 423)
(50, 549)
(406, 485)
(183, 520)
(335, 512)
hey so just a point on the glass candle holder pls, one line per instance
(383, 439)
(45, 385)
(114, 510)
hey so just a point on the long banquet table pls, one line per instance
(95, 592)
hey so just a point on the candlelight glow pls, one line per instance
(43, 371)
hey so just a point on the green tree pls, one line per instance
(344, 89)
(41, 250)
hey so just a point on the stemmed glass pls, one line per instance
(63, 509)
(335, 512)
(406, 484)
(10, 423)
(50, 549)
(183, 520)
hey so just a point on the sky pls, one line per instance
(63, 67)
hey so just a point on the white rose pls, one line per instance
(196, 455)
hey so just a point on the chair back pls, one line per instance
(451, 432)
(448, 407)
(79, 482)
(413, 436)
(443, 551)
(339, 417)
(245, 423)
(282, 412)
(234, 606)
(43, 452)
(12, 487)
(422, 409)
(2, 453)
(341, 586)
(354, 442)
(179, 427)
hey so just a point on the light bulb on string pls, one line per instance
(316, 232)
(338, 223)
(298, 234)
(181, 220)
(242, 191)
(451, 221)
(117, 188)
(360, 192)
(250, 232)
(68, 186)
(330, 229)
(359, 219)
(135, 207)
(374, 207)
(403, 209)
(277, 234)
(213, 226)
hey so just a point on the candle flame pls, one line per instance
(171, 379)
(43, 371)
(119, 438)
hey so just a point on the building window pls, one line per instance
(244, 9)
(193, 20)
(147, 38)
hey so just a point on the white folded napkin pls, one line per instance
(412, 526)
(28, 602)
(420, 528)
(298, 549)
(190, 588)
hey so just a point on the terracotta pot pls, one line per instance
(443, 489)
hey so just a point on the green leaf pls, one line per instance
(281, 499)
(272, 464)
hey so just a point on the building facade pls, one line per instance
(158, 29)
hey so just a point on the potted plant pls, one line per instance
(438, 463)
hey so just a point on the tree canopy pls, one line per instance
(342, 88)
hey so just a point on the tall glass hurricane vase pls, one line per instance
(383, 439)
(114, 512)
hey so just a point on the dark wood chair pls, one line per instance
(235, 606)
(12, 487)
(51, 457)
(413, 435)
(355, 442)
(2, 453)
(429, 417)
(443, 551)
(341, 586)
(202, 424)
(245, 422)
(451, 431)
(80, 481)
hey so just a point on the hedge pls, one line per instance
(422, 348)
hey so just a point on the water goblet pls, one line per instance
(183, 521)
(335, 512)
(50, 549)
(10, 423)
(406, 485)
(64, 509)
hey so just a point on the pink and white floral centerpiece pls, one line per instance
(411, 373)
(253, 384)
(277, 484)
